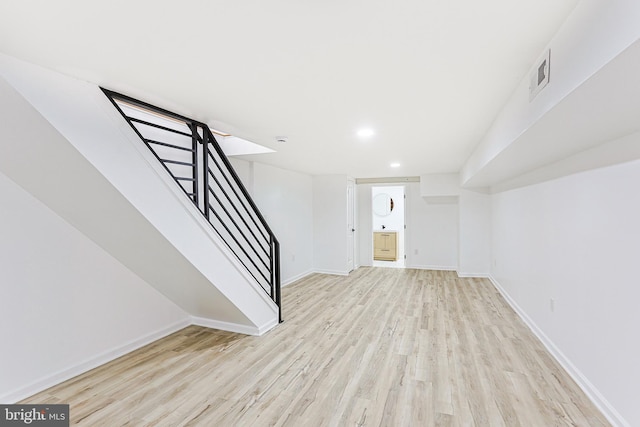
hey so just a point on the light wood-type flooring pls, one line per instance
(381, 347)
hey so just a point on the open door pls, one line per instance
(350, 224)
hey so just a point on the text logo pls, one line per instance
(34, 415)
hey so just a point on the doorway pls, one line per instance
(351, 247)
(388, 226)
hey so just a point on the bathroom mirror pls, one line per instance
(382, 204)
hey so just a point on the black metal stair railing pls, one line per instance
(190, 153)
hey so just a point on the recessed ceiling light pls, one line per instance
(365, 133)
(395, 165)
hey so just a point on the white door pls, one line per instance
(350, 224)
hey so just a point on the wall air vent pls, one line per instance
(539, 76)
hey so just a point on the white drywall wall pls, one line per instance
(576, 241)
(439, 185)
(286, 201)
(285, 198)
(330, 224)
(67, 305)
(475, 234)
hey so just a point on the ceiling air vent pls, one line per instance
(539, 76)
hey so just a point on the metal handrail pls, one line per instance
(222, 211)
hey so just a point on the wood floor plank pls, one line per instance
(381, 347)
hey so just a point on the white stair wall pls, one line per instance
(74, 152)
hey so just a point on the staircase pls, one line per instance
(177, 215)
(191, 155)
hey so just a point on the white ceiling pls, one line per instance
(429, 76)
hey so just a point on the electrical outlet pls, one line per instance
(415, 252)
(552, 305)
(293, 258)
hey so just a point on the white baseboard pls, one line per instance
(297, 277)
(234, 327)
(432, 267)
(477, 275)
(268, 326)
(332, 272)
(225, 326)
(589, 389)
(91, 363)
